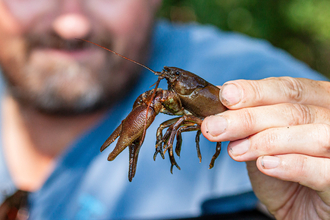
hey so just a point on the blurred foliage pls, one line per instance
(301, 27)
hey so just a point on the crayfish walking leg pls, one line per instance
(175, 128)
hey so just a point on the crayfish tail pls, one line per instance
(112, 137)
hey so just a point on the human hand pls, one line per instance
(281, 128)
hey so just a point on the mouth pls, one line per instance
(64, 53)
(51, 42)
(70, 49)
(61, 44)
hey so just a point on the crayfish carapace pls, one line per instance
(187, 97)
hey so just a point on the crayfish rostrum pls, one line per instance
(188, 96)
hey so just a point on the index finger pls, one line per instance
(248, 93)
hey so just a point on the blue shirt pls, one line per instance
(84, 185)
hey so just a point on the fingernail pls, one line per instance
(215, 125)
(269, 162)
(230, 94)
(239, 147)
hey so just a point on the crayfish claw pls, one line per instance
(112, 137)
(131, 133)
(134, 149)
(216, 154)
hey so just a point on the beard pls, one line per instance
(58, 85)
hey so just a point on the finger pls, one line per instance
(308, 171)
(246, 93)
(310, 139)
(237, 124)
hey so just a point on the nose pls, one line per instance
(70, 26)
(72, 23)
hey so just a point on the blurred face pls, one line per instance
(48, 68)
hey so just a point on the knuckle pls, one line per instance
(248, 119)
(300, 114)
(323, 138)
(323, 183)
(293, 88)
(301, 166)
(305, 168)
(266, 143)
(309, 171)
(257, 91)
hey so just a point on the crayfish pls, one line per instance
(188, 96)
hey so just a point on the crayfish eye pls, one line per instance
(177, 73)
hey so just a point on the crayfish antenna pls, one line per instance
(157, 82)
(122, 56)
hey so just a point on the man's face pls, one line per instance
(49, 69)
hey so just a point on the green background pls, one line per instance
(301, 27)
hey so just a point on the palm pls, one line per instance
(284, 199)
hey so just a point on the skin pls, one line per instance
(280, 127)
(58, 86)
